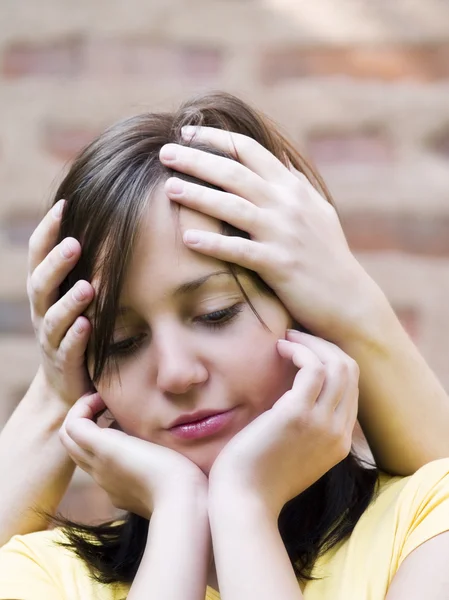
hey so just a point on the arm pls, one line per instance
(250, 556)
(32, 458)
(33, 461)
(174, 564)
(298, 247)
(423, 574)
(403, 408)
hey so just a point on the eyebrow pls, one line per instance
(188, 287)
(191, 286)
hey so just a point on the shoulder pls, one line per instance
(33, 545)
(39, 562)
(421, 505)
(430, 481)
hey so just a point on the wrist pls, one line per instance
(191, 494)
(44, 399)
(370, 318)
(227, 500)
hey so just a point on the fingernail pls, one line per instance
(57, 209)
(78, 294)
(175, 186)
(191, 237)
(188, 131)
(168, 152)
(67, 250)
(292, 332)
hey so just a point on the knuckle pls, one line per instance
(353, 368)
(246, 144)
(338, 368)
(343, 446)
(248, 252)
(234, 171)
(33, 243)
(318, 370)
(245, 210)
(36, 287)
(50, 324)
(298, 183)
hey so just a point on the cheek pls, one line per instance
(259, 373)
(123, 404)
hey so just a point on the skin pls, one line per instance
(184, 365)
(390, 365)
(293, 419)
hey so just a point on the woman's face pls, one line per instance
(198, 345)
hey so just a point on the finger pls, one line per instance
(46, 278)
(45, 236)
(335, 386)
(347, 409)
(79, 423)
(223, 206)
(73, 346)
(223, 172)
(341, 369)
(244, 149)
(309, 380)
(62, 315)
(87, 407)
(327, 351)
(80, 456)
(240, 251)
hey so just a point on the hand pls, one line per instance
(306, 432)
(61, 330)
(296, 241)
(137, 475)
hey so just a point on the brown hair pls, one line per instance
(106, 190)
(110, 183)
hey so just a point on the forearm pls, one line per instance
(403, 409)
(34, 466)
(175, 561)
(250, 557)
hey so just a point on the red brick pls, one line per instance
(57, 58)
(422, 234)
(112, 57)
(423, 63)
(350, 147)
(64, 142)
(200, 63)
(144, 57)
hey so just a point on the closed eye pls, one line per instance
(213, 320)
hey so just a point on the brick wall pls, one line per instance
(362, 87)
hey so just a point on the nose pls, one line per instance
(179, 365)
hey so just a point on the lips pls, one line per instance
(194, 417)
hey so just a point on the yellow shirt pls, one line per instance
(404, 513)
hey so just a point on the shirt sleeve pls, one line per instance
(23, 576)
(425, 509)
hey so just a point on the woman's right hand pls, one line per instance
(61, 330)
(138, 476)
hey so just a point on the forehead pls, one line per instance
(160, 256)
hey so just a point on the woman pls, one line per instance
(188, 331)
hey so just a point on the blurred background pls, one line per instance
(361, 87)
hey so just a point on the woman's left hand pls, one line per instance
(296, 241)
(306, 432)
